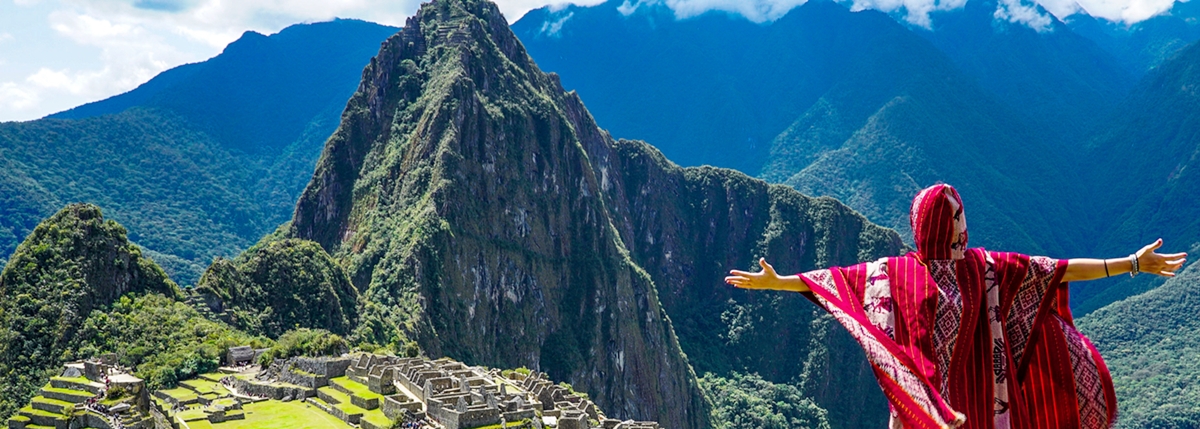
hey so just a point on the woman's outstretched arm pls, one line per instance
(766, 279)
(1148, 260)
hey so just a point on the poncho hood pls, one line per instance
(939, 224)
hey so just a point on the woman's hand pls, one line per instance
(1149, 261)
(766, 279)
(1156, 263)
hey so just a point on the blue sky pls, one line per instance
(57, 54)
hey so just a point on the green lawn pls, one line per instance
(356, 388)
(76, 380)
(374, 416)
(278, 415)
(180, 394)
(82, 395)
(200, 386)
(192, 414)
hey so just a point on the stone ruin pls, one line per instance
(239, 356)
(567, 409)
(78, 398)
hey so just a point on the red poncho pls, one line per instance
(968, 337)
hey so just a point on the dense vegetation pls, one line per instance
(162, 339)
(73, 263)
(745, 401)
(304, 342)
(1145, 168)
(278, 285)
(1150, 344)
(202, 160)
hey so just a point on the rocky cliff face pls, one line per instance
(481, 212)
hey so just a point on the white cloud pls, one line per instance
(16, 97)
(1126, 11)
(1023, 13)
(754, 10)
(916, 12)
(551, 28)
(4, 37)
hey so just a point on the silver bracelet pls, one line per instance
(1134, 271)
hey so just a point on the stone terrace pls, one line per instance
(80, 398)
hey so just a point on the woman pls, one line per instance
(971, 337)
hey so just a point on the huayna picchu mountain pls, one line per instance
(482, 213)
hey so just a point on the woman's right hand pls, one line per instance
(766, 279)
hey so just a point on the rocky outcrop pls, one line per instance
(482, 213)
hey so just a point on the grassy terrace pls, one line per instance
(28, 409)
(81, 394)
(355, 388)
(181, 394)
(277, 415)
(76, 380)
(65, 406)
(374, 416)
(204, 386)
(192, 414)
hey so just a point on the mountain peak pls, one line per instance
(482, 213)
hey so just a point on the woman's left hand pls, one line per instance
(1156, 263)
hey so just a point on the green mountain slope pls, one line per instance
(1144, 171)
(874, 141)
(1053, 76)
(279, 284)
(72, 263)
(1150, 344)
(202, 160)
(1146, 44)
(481, 212)
(77, 288)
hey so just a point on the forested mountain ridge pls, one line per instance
(233, 135)
(1150, 344)
(1143, 169)
(1144, 45)
(848, 104)
(482, 213)
(1038, 67)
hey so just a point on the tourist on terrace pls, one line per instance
(972, 338)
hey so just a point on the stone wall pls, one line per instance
(445, 416)
(477, 418)
(247, 387)
(300, 377)
(328, 367)
(393, 406)
(364, 403)
(89, 420)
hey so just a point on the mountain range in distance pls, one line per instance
(868, 109)
(236, 135)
